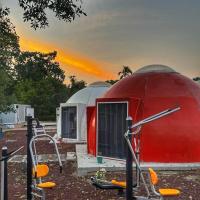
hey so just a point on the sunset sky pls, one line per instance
(117, 33)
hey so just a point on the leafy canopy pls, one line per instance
(35, 12)
(9, 41)
(39, 82)
(9, 51)
(196, 78)
(75, 85)
(36, 66)
(126, 71)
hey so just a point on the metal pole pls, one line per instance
(4, 175)
(2, 179)
(129, 163)
(29, 160)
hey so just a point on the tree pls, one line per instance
(75, 85)
(126, 71)
(36, 66)
(112, 82)
(196, 79)
(9, 42)
(9, 51)
(35, 11)
(39, 82)
(6, 95)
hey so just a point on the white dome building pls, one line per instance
(71, 116)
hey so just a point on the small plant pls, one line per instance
(100, 174)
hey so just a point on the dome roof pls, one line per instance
(100, 84)
(89, 94)
(155, 68)
(174, 138)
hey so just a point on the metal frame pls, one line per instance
(34, 158)
(97, 126)
(154, 190)
(129, 133)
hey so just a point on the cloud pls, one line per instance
(70, 61)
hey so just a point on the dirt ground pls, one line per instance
(71, 187)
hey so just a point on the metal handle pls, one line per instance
(156, 116)
(31, 150)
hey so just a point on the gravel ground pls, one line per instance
(71, 187)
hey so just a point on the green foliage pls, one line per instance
(35, 11)
(75, 85)
(126, 71)
(36, 66)
(6, 96)
(9, 41)
(196, 79)
(112, 82)
(40, 83)
(9, 50)
(101, 174)
(32, 77)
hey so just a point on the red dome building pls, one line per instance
(152, 89)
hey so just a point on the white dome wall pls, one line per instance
(82, 99)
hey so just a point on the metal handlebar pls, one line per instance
(154, 117)
(32, 155)
(9, 155)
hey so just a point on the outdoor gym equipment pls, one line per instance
(162, 192)
(107, 185)
(41, 170)
(121, 185)
(34, 168)
(4, 170)
(131, 155)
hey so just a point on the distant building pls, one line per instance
(72, 115)
(17, 116)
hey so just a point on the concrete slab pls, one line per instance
(88, 163)
(70, 156)
(72, 141)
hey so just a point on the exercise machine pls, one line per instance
(35, 170)
(162, 192)
(120, 186)
(107, 185)
(134, 129)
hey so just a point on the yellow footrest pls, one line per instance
(119, 183)
(46, 185)
(169, 192)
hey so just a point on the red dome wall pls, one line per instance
(174, 138)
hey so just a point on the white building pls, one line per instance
(71, 116)
(17, 116)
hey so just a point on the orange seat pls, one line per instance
(169, 192)
(162, 192)
(119, 183)
(41, 170)
(46, 185)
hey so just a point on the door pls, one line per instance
(111, 129)
(69, 122)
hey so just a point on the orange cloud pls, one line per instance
(68, 60)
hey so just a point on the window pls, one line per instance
(69, 122)
(111, 129)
